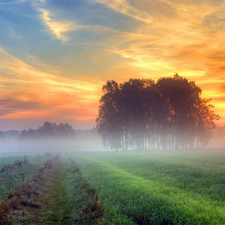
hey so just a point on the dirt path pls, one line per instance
(56, 194)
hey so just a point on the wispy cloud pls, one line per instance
(124, 7)
(58, 28)
(13, 35)
(189, 43)
(12, 2)
(29, 92)
(130, 38)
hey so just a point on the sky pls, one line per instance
(55, 55)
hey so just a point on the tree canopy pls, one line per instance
(144, 114)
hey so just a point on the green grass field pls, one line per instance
(15, 169)
(52, 191)
(158, 188)
(114, 188)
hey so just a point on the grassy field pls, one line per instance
(113, 188)
(158, 188)
(16, 169)
(52, 192)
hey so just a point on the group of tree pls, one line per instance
(9, 135)
(144, 114)
(49, 130)
(2, 135)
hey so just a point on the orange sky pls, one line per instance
(56, 55)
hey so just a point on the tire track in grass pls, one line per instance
(56, 194)
(18, 171)
(146, 201)
(58, 201)
(22, 205)
(70, 199)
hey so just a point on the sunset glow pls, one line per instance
(56, 55)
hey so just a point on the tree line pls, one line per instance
(49, 130)
(144, 114)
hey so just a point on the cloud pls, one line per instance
(16, 106)
(123, 7)
(28, 92)
(154, 39)
(190, 43)
(13, 2)
(173, 43)
(58, 28)
(13, 35)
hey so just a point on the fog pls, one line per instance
(216, 142)
(51, 145)
(90, 140)
(50, 137)
(78, 144)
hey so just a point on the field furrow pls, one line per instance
(56, 194)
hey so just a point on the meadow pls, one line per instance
(158, 187)
(134, 187)
(16, 169)
(45, 189)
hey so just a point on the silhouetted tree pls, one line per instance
(142, 114)
(205, 125)
(109, 121)
(182, 98)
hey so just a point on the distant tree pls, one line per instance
(142, 114)
(49, 130)
(65, 130)
(2, 135)
(12, 134)
(23, 134)
(28, 134)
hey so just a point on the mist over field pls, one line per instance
(89, 140)
(63, 174)
(82, 140)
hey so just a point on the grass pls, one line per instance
(21, 206)
(70, 199)
(154, 188)
(9, 159)
(115, 188)
(56, 193)
(16, 169)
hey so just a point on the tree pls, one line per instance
(108, 121)
(205, 125)
(142, 114)
(2, 135)
(181, 97)
(49, 130)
